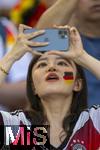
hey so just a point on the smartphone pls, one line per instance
(58, 39)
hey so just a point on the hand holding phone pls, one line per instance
(58, 39)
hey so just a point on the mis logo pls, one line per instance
(24, 136)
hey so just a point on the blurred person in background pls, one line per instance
(28, 12)
(12, 92)
(85, 15)
(11, 15)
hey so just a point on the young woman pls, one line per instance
(57, 91)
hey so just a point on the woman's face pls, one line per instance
(53, 74)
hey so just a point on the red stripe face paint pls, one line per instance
(68, 77)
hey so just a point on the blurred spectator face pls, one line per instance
(89, 10)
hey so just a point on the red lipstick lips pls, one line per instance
(52, 77)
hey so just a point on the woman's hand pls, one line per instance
(76, 50)
(24, 43)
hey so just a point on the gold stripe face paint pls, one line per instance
(68, 77)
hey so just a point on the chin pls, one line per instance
(48, 92)
(52, 92)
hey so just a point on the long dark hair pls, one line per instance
(79, 102)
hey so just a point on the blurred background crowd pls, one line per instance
(13, 13)
(28, 12)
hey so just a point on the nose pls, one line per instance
(51, 66)
(51, 69)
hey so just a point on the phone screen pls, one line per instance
(58, 39)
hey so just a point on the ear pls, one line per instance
(77, 85)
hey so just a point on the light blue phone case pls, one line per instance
(58, 39)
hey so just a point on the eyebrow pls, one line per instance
(45, 58)
(65, 60)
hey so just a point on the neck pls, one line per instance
(56, 107)
(86, 27)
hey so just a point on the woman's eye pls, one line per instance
(41, 65)
(62, 63)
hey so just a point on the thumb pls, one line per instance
(75, 36)
(65, 55)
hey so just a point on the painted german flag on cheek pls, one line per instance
(68, 77)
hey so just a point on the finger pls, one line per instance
(22, 27)
(55, 26)
(36, 44)
(61, 27)
(37, 53)
(75, 36)
(34, 52)
(75, 32)
(35, 34)
(58, 26)
(57, 53)
(65, 28)
(72, 36)
(65, 55)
